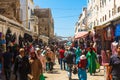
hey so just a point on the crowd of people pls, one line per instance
(31, 61)
(26, 63)
(79, 60)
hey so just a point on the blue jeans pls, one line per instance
(69, 70)
(61, 64)
(82, 74)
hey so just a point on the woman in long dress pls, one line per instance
(92, 58)
(36, 67)
(41, 58)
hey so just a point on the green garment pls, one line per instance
(78, 52)
(91, 57)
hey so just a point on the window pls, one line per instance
(109, 13)
(118, 9)
(100, 20)
(79, 30)
(100, 3)
(105, 17)
(32, 12)
(94, 23)
(29, 25)
(104, 2)
(35, 29)
(97, 22)
(113, 12)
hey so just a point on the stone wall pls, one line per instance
(15, 27)
(10, 9)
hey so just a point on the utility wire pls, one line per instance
(67, 9)
(67, 16)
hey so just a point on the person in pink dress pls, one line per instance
(41, 58)
(114, 47)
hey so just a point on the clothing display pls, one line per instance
(114, 47)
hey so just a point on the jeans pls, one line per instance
(61, 64)
(82, 74)
(70, 71)
(7, 73)
(49, 66)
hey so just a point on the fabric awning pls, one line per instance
(81, 35)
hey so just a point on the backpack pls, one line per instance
(69, 58)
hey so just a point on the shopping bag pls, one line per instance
(75, 71)
(97, 65)
(42, 77)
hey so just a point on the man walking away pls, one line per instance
(115, 65)
(70, 61)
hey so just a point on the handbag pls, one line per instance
(75, 71)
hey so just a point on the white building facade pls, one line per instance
(102, 11)
(81, 25)
(28, 19)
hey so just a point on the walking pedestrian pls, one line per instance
(41, 58)
(61, 52)
(69, 58)
(92, 58)
(82, 66)
(36, 66)
(21, 66)
(7, 63)
(49, 57)
(114, 64)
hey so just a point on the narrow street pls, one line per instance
(58, 74)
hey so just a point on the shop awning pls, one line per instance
(102, 26)
(81, 35)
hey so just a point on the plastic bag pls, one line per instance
(75, 71)
(42, 77)
(97, 65)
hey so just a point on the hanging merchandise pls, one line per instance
(108, 33)
(117, 31)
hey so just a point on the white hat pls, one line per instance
(37, 49)
(82, 57)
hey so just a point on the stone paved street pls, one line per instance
(62, 75)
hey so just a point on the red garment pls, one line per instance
(61, 52)
(82, 63)
(88, 49)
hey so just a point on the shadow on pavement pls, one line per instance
(53, 72)
(75, 79)
(98, 75)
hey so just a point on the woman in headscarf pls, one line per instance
(41, 58)
(50, 59)
(36, 66)
(92, 58)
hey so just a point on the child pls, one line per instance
(82, 65)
